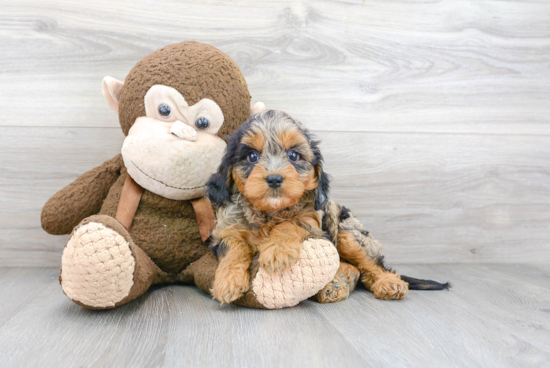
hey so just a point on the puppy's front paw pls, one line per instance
(278, 259)
(230, 285)
(389, 286)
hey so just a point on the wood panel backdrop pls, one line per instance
(434, 115)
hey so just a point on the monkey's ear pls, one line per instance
(111, 88)
(257, 108)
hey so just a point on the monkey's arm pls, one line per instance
(80, 199)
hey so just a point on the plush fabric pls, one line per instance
(98, 266)
(186, 164)
(314, 269)
(180, 109)
(107, 262)
(129, 202)
(197, 71)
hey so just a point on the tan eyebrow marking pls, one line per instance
(293, 138)
(255, 139)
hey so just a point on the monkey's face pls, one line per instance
(173, 150)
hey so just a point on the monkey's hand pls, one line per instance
(81, 198)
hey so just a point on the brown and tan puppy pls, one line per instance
(273, 195)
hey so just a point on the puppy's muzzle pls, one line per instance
(274, 181)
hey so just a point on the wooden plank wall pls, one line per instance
(434, 115)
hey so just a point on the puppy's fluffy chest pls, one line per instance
(255, 226)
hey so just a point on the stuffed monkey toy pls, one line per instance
(141, 218)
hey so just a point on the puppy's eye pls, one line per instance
(293, 156)
(253, 157)
(202, 123)
(164, 110)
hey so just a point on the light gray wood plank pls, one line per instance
(427, 197)
(487, 319)
(446, 198)
(35, 163)
(18, 287)
(462, 67)
(494, 316)
(237, 337)
(169, 326)
(536, 274)
(65, 335)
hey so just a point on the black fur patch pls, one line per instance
(415, 284)
(217, 191)
(322, 191)
(345, 214)
(418, 284)
(219, 250)
(324, 226)
(270, 114)
(220, 185)
(380, 262)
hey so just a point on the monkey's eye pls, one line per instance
(164, 110)
(293, 156)
(202, 123)
(253, 157)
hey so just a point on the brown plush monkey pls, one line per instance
(141, 218)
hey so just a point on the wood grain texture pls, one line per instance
(353, 65)
(494, 316)
(453, 207)
(434, 114)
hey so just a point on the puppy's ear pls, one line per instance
(323, 179)
(322, 191)
(217, 189)
(220, 185)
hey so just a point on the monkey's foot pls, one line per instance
(316, 266)
(97, 266)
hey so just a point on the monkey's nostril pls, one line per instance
(274, 181)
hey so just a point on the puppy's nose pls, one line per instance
(274, 181)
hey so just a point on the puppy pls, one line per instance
(272, 194)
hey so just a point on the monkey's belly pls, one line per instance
(165, 229)
(172, 242)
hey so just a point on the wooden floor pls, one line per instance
(494, 316)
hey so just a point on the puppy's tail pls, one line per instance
(418, 284)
